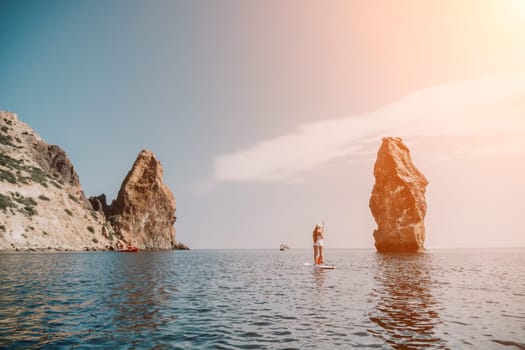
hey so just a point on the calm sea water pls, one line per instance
(458, 299)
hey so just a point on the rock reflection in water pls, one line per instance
(405, 310)
(138, 296)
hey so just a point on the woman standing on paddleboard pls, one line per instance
(318, 237)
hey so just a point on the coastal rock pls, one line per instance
(398, 199)
(144, 212)
(53, 160)
(99, 203)
(180, 246)
(42, 205)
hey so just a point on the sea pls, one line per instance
(263, 299)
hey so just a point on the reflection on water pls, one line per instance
(319, 277)
(262, 299)
(405, 310)
(136, 296)
(90, 299)
(140, 298)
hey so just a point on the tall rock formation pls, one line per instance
(398, 199)
(42, 205)
(143, 213)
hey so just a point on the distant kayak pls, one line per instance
(129, 249)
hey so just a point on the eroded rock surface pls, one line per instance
(144, 212)
(398, 199)
(99, 203)
(42, 205)
(54, 160)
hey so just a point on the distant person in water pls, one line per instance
(318, 238)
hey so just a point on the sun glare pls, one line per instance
(514, 8)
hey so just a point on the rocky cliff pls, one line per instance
(143, 214)
(398, 199)
(42, 205)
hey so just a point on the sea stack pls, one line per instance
(43, 206)
(398, 199)
(144, 212)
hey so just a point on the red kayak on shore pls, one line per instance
(129, 249)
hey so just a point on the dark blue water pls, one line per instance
(462, 299)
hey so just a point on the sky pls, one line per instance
(267, 115)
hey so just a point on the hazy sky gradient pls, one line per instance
(486, 115)
(267, 114)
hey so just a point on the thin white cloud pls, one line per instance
(491, 105)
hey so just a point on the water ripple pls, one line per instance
(262, 300)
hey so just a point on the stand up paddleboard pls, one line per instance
(323, 267)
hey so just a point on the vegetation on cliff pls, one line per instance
(43, 206)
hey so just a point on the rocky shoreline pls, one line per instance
(43, 207)
(68, 250)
